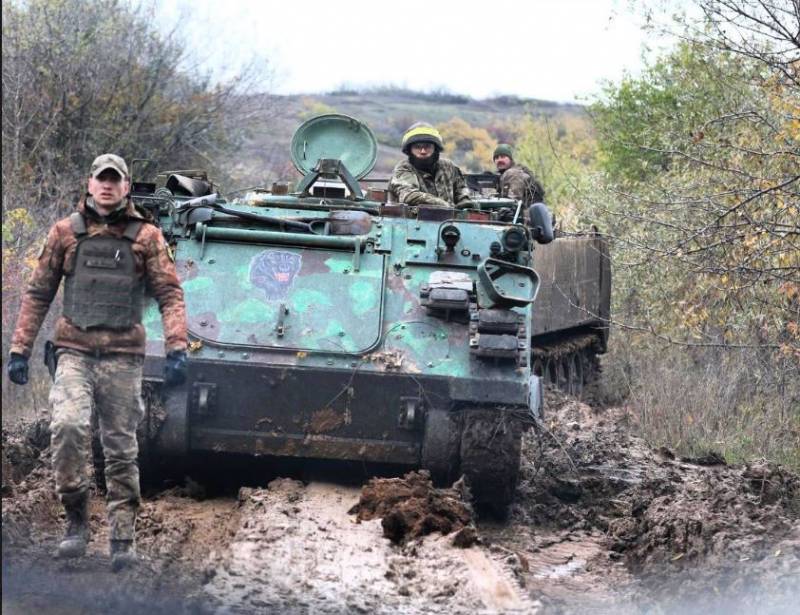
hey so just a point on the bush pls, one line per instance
(743, 403)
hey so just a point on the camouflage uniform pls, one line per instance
(113, 386)
(517, 182)
(100, 369)
(58, 258)
(443, 188)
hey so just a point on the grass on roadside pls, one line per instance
(743, 404)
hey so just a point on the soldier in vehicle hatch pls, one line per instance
(425, 178)
(516, 180)
(108, 254)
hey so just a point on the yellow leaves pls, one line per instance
(20, 247)
(475, 144)
(750, 240)
(15, 222)
(786, 259)
(790, 290)
(312, 108)
(694, 316)
(30, 261)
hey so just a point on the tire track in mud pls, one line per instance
(566, 571)
(297, 550)
(602, 523)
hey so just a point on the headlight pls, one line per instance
(513, 239)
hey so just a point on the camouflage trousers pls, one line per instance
(111, 387)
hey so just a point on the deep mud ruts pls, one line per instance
(601, 524)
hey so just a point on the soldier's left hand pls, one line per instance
(175, 368)
(18, 368)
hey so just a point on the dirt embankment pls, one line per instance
(601, 523)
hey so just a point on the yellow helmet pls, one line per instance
(421, 132)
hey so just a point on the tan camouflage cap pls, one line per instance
(109, 161)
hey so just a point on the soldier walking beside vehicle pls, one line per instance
(109, 255)
(425, 178)
(516, 181)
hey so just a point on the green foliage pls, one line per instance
(700, 190)
(561, 152)
(646, 121)
(707, 233)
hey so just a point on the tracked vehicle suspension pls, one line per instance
(570, 365)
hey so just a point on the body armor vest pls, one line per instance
(103, 290)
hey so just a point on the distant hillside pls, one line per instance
(387, 111)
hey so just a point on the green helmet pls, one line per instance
(421, 132)
(503, 149)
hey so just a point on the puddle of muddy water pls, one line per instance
(298, 549)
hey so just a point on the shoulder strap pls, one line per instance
(78, 223)
(132, 229)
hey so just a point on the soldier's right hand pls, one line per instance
(18, 368)
(175, 368)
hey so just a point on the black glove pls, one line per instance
(18, 368)
(175, 368)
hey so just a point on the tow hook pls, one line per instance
(411, 413)
(204, 397)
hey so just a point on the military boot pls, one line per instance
(122, 555)
(77, 535)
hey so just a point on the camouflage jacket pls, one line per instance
(517, 182)
(444, 188)
(57, 259)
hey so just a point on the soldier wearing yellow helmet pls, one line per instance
(425, 178)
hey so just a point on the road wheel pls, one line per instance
(550, 371)
(537, 367)
(574, 374)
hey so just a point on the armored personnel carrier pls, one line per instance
(328, 323)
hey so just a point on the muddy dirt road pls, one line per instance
(602, 524)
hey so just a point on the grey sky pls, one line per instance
(556, 50)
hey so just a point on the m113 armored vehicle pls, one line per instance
(331, 324)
